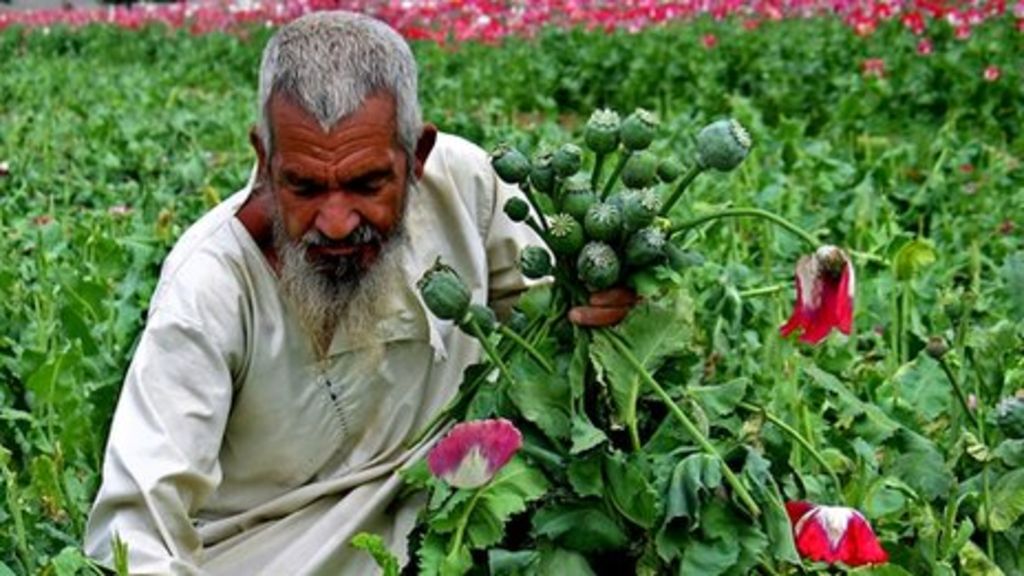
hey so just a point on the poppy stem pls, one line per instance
(492, 354)
(528, 192)
(684, 420)
(958, 389)
(762, 291)
(595, 175)
(610, 183)
(518, 340)
(680, 188)
(741, 212)
(463, 521)
(804, 442)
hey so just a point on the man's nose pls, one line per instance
(337, 217)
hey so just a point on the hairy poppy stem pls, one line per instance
(492, 354)
(804, 442)
(528, 192)
(595, 175)
(958, 389)
(610, 183)
(511, 335)
(741, 212)
(684, 420)
(680, 188)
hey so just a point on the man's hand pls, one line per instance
(606, 308)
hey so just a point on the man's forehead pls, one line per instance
(376, 112)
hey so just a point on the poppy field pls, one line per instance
(820, 207)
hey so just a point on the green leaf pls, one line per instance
(374, 545)
(585, 527)
(868, 420)
(721, 399)
(585, 475)
(585, 435)
(709, 558)
(655, 331)
(1011, 452)
(883, 570)
(629, 490)
(541, 397)
(1007, 501)
(6, 570)
(775, 520)
(911, 258)
(923, 385)
(509, 563)
(564, 563)
(578, 366)
(919, 463)
(974, 562)
(1013, 283)
(493, 504)
(694, 476)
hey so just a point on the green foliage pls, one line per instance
(374, 545)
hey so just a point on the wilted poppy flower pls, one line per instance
(834, 534)
(473, 452)
(824, 295)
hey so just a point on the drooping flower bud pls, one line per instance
(601, 133)
(641, 170)
(722, 145)
(567, 160)
(535, 262)
(542, 173)
(565, 235)
(517, 209)
(824, 295)
(598, 266)
(638, 130)
(511, 165)
(473, 452)
(443, 292)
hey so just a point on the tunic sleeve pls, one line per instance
(162, 455)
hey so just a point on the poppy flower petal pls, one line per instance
(473, 452)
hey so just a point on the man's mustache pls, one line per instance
(365, 234)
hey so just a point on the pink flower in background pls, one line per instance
(992, 73)
(967, 168)
(963, 32)
(709, 41)
(914, 22)
(824, 295)
(473, 452)
(924, 47)
(119, 210)
(834, 534)
(873, 67)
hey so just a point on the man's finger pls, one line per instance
(613, 298)
(592, 317)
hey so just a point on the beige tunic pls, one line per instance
(234, 451)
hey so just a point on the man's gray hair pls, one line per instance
(330, 62)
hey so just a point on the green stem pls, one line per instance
(610, 183)
(740, 212)
(958, 389)
(14, 506)
(511, 335)
(907, 302)
(528, 192)
(804, 442)
(763, 291)
(689, 426)
(680, 188)
(595, 174)
(463, 521)
(986, 495)
(490, 351)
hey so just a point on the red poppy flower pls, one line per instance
(709, 41)
(834, 534)
(824, 295)
(924, 47)
(473, 452)
(873, 67)
(992, 73)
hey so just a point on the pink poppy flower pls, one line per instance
(924, 47)
(473, 452)
(873, 67)
(824, 295)
(992, 73)
(834, 534)
(709, 41)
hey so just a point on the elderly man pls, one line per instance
(287, 358)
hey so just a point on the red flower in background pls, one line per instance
(834, 534)
(473, 452)
(992, 73)
(924, 47)
(709, 41)
(873, 67)
(824, 295)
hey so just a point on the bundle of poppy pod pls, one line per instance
(599, 229)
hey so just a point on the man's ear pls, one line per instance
(262, 161)
(428, 137)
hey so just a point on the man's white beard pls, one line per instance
(328, 299)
